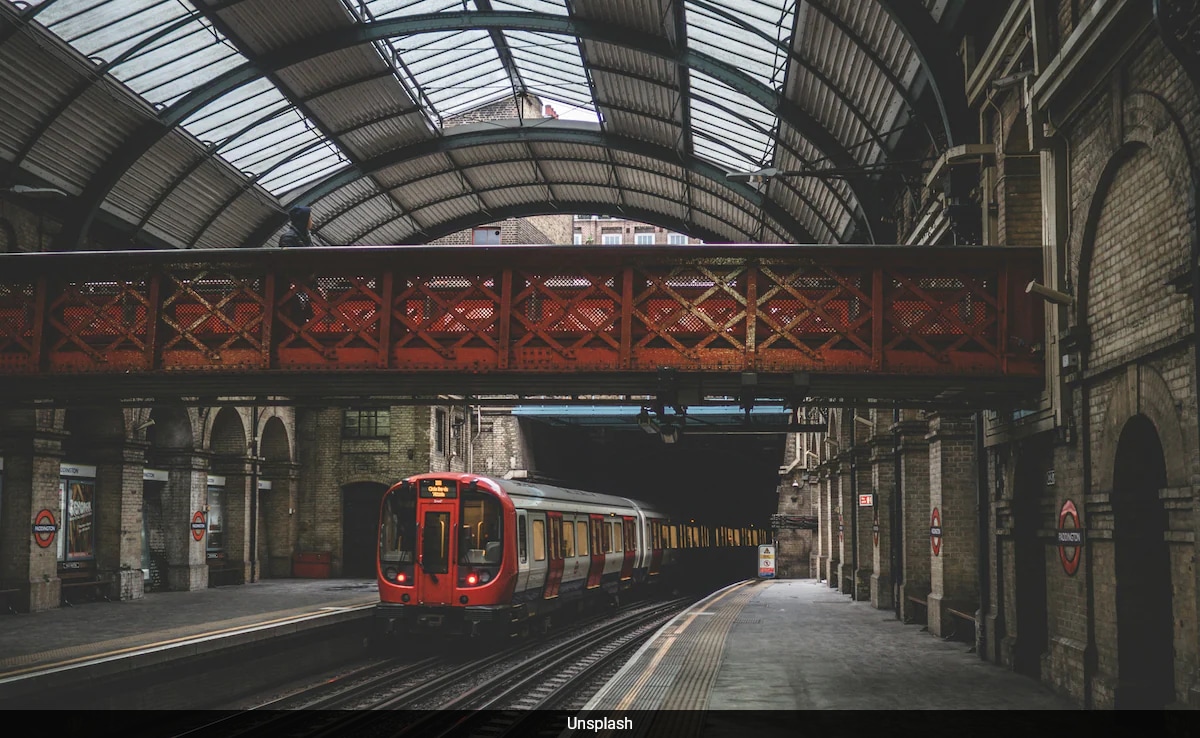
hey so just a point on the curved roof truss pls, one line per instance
(237, 93)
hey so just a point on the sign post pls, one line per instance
(766, 561)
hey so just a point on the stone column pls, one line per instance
(31, 460)
(119, 518)
(818, 553)
(186, 493)
(845, 525)
(914, 510)
(863, 518)
(278, 529)
(883, 479)
(236, 471)
(829, 527)
(953, 572)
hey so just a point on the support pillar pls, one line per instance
(883, 477)
(32, 455)
(829, 528)
(845, 525)
(185, 495)
(953, 570)
(863, 520)
(914, 510)
(119, 518)
(818, 555)
(278, 521)
(238, 522)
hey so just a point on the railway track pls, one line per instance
(501, 692)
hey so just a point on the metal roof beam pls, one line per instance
(566, 132)
(488, 216)
(941, 65)
(644, 215)
(128, 152)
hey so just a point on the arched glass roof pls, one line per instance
(197, 124)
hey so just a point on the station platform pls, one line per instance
(70, 646)
(784, 645)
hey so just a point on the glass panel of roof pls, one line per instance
(556, 7)
(745, 33)
(550, 66)
(390, 8)
(457, 70)
(723, 114)
(172, 48)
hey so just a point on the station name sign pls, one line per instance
(437, 489)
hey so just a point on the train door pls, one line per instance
(522, 552)
(437, 514)
(554, 573)
(538, 552)
(656, 546)
(596, 569)
(630, 546)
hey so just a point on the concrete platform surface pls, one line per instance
(797, 645)
(112, 628)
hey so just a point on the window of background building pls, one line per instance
(676, 239)
(485, 236)
(439, 432)
(645, 239)
(612, 238)
(366, 424)
(578, 238)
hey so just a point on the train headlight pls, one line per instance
(390, 573)
(485, 577)
(472, 579)
(400, 577)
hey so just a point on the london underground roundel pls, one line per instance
(1070, 538)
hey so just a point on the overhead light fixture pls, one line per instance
(1012, 80)
(27, 191)
(1047, 294)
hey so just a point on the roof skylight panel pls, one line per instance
(551, 66)
(556, 7)
(305, 167)
(725, 114)
(457, 70)
(750, 34)
(390, 8)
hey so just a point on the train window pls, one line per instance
(522, 540)
(597, 538)
(628, 526)
(481, 519)
(618, 538)
(539, 540)
(397, 529)
(674, 537)
(568, 539)
(656, 534)
(581, 537)
(435, 543)
(606, 537)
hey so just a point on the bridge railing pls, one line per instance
(903, 310)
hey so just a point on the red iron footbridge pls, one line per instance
(891, 323)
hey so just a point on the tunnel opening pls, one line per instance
(360, 520)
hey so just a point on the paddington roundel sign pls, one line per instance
(198, 525)
(841, 528)
(875, 528)
(44, 528)
(1070, 538)
(935, 531)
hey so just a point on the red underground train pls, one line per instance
(463, 553)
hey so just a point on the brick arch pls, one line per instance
(1148, 122)
(283, 446)
(226, 429)
(1151, 397)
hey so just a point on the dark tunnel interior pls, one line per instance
(717, 479)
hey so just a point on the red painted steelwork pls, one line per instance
(894, 310)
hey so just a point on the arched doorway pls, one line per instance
(360, 523)
(165, 502)
(1029, 560)
(275, 501)
(1145, 628)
